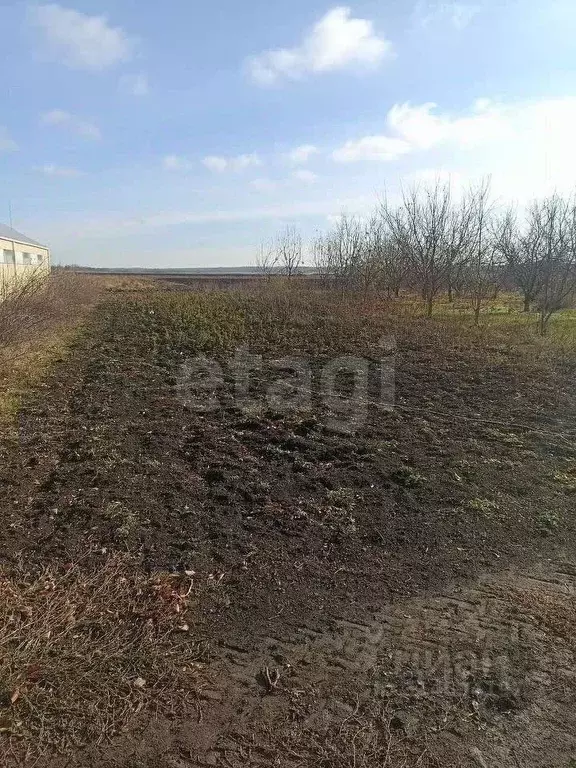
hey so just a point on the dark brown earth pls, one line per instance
(306, 539)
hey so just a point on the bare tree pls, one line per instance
(341, 252)
(483, 252)
(266, 259)
(556, 222)
(368, 265)
(460, 235)
(288, 251)
(419, 228)
(521, 250)
(393, 264)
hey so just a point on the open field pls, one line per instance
(277, 526)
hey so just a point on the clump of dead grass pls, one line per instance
(43, 303)
(38, 321)
(84, 648)
(370, 735)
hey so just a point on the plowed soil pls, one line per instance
(399, 592)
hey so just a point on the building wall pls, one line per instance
(19, 262)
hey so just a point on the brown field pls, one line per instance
(258, 558)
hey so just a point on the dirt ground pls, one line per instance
(398, 592)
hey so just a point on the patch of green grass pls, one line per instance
(195, 322)
(487, 507)
(343, 498)
(567, 479)
(408, 477)
(24, 366)
(548, 521)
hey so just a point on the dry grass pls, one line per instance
(85, 648)
(371, 735)
(38, 320)
(24, 365)
(41, 304)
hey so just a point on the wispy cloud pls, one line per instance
(109, 227)
(305, 176)
(371, 148)
(50, 169)
(338, 41)
(81, 41)
(63, 119)
(302, 154)
(220, 164)
(457, 15)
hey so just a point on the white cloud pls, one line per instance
(413, 128)
(526, 146)
(457, 15)
(422, 128)
(336, 42)
(7, 144)
(301, 155)
(177, 163)
(135, 85)
(371, 148)
(219, 164)
(50, 169)
(307, 177)
(244, 161)
(81, 41)
(59, 117)
(215, 164)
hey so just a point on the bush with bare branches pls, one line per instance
(38, 304)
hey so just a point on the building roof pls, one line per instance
(7, 233)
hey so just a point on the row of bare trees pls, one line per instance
(433, 243)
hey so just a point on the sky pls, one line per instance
(186, 132)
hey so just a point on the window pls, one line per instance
(27, 259)
(40, 258)
(8, 256)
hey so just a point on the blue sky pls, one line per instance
(183, 133)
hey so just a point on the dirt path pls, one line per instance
(486, 673)
(477, 676)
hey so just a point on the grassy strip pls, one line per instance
(23, 367)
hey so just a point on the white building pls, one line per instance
(20, 258)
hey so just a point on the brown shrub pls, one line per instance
(39, 304)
